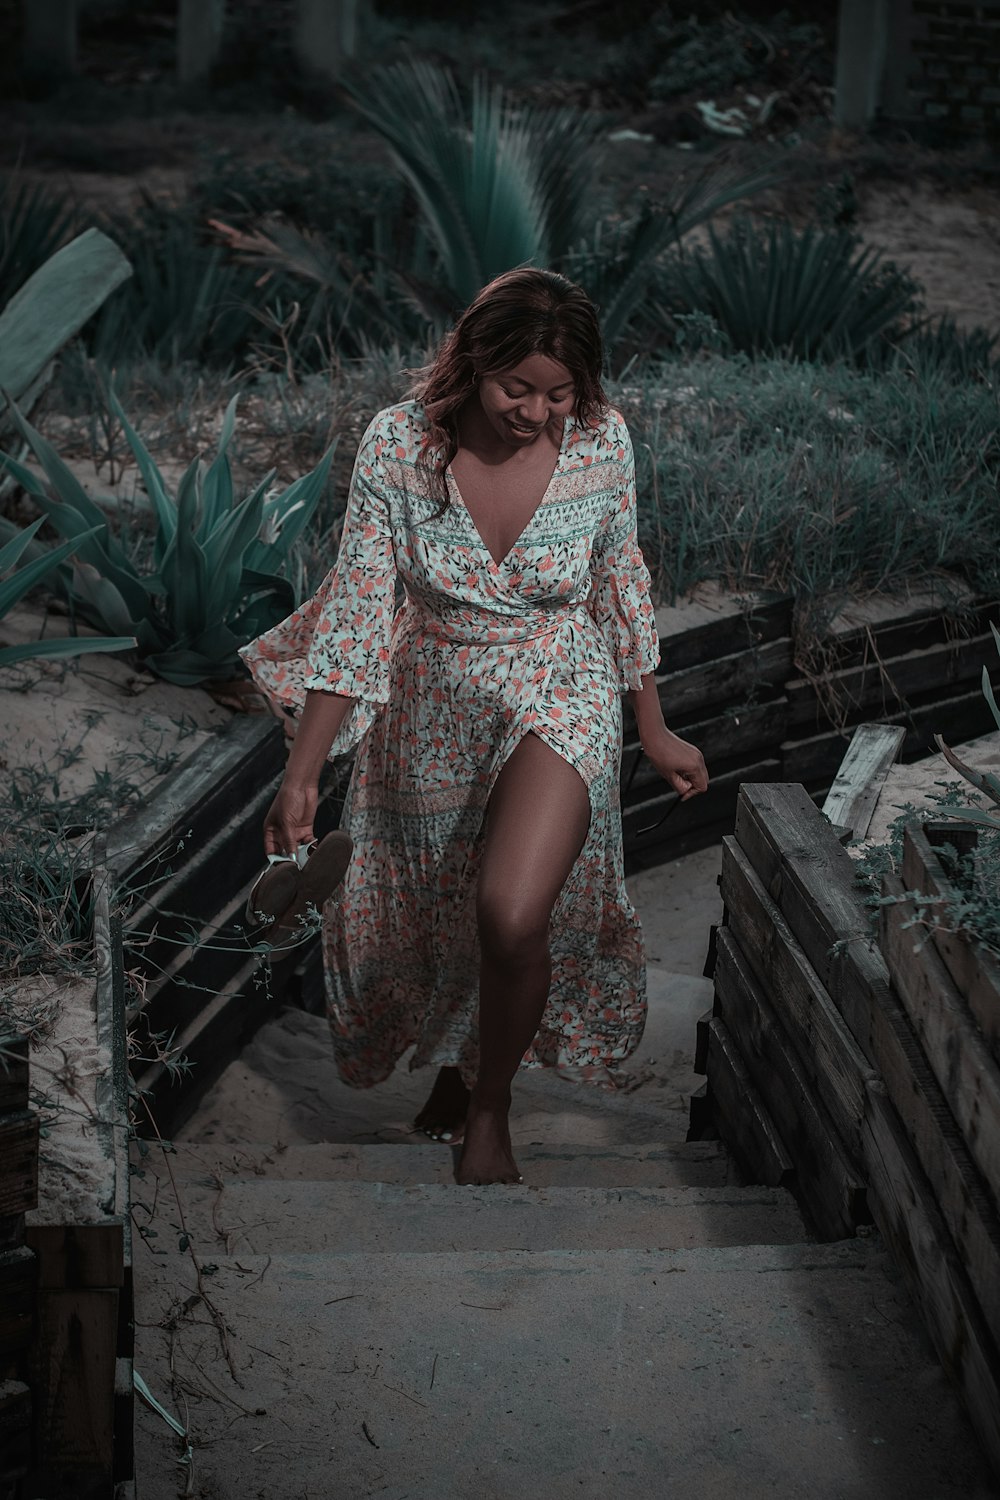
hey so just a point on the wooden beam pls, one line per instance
(326, 35)
(963, 1065)
(851, 800)
(745, 1123)
(908, 1217)
(974, 969)
(199, 36)
(862, 35)
(48, 38)
(826, 1178)
(837, 1067)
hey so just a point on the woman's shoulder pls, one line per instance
(605, 438)
(405, 422)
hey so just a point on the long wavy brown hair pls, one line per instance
(521, 313)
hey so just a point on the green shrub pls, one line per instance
(495, 187)
(215, 580)
(815, 480)
(817, 294)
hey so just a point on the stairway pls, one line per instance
(632, 1323)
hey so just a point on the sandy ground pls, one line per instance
(951, 244)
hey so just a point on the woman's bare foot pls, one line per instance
(443, 1116)
(487, 1155)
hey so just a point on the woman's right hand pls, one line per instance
(290, 819)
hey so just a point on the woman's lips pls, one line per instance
(520, 429)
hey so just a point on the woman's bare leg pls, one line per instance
(538, 818)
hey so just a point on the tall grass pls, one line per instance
(815, 480)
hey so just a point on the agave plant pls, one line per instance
(16, 582)
(986, 782)
(814, 295)
(496, 186)
(215, 580)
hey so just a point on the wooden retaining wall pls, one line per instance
(733, 687)
(854, 1069)
(18, 1270)
(67, 1329)
(729, 684)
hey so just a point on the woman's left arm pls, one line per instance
(677, 761)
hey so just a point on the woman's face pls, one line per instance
(521, 402)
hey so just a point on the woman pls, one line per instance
(484, 918)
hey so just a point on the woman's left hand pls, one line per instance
(678, 762)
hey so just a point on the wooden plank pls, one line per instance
(221, 1028)
(881, 686)
(827, 1180)
(15, 1079)
(851, 799)
(701, 1041)
(732, 629)
(199, 795)
(78, 1255)
(973, 968)
(725, 680)
(124, 1422)
(836, 1065)
(701, 1121)
(803, 868)
(814, 759)
(11, 1231)
(71, 1372)
(744, 1121)
(15, 1431)
(908, 1218)
(17, 1299)
(860, 987)
(962, 1063)
(18, 1162)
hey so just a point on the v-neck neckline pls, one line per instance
(568, 422)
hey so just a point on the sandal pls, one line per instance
(311, 876)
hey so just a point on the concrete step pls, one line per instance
(688, 1164)
(798, 1371)
(258, 1216)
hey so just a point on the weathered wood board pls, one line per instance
(752, 1133)
(851, 799)
(827, 1180)
(973, 969)
(907, 1215)
(963, 1065)
(838, 1069)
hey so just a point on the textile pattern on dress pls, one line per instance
(478, 654)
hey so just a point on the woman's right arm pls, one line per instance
(289, 821)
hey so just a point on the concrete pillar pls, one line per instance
(48, 38)
(862, 38)
(326, 35)
(199, 33)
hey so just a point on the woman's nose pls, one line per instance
(532, 412)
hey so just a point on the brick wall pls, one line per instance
(953, 73)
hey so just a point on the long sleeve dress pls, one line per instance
(478, 654)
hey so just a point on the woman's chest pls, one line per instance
(501, 499)
(543, 556)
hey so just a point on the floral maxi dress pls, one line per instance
(477, 655)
